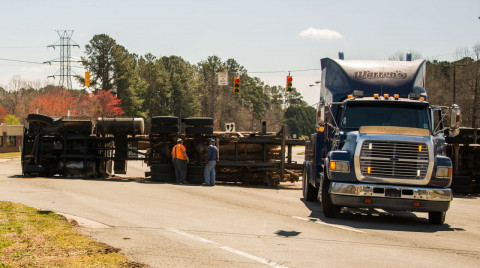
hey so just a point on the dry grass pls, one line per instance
(33, 238)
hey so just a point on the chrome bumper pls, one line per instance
(391, 191)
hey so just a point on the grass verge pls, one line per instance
(34, 238)
(7, 155)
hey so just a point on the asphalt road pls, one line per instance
(166, 225)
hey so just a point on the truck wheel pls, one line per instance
(195, 179)
(199, 130)
(436, 217)
(163, 177)
(199, 121)
(40, 118)
(35, 170)
(164, 120)
(329, 209)
(461, 180)
(124, 125)
(195, 170)
(309, 191)
(162, 168)
(164, 129)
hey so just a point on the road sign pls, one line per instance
(230, 128)
(222, 79)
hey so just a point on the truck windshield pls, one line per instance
(385, 114)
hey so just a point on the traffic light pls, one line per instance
(289, 83)
(236, 84)
(87, 79)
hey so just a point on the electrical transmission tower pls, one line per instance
(65, 43)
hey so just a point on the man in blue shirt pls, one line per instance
(212, 157)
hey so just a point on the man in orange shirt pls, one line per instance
(180, 160)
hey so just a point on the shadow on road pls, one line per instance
(379, 219)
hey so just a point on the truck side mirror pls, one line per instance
(454, 120)
(321, 113)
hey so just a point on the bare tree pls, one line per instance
(476, 54)
(401, 56)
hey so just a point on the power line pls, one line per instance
(23, 47)
(34, 62)
(23, 61)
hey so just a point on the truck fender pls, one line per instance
(308, 170)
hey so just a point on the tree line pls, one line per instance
(169, 85)
(126, 84)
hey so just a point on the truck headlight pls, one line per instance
(444, 172)
(340, 166)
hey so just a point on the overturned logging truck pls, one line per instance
(464, 150)
(82, 147)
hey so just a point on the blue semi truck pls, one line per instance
(379, 143)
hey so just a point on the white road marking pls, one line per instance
(229, 249)
(327, 224)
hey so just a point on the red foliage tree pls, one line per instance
(55, 102)
(102, 103)
(3, 114)
(58, 101)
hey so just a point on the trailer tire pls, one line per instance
(199, 121)
(199, 130)
(461, 180)
(329, 210)
(309, 191)
(40, 118)
(436, 217)
(164, 120)
(35, 170)
(195, 170)
(163, 177)
(164, 129)
(121, 125)
(162, 168)
(463, 189)
(195, 178)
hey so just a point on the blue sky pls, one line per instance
(263, 36)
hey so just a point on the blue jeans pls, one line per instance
(209, 173)
(180, 170)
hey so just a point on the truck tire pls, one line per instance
(123, 125)
(78, 125)
(309, 191)
(195, 179)
(195, 170)
(199, 121)
(162, 168)
(199, 130)
(436, 217)
(163, 177)
(164, 129)
(329, 210)
(461, 180)
(40, 118)
(35, 170)
(164, 120)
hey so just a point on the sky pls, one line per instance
(270, 38)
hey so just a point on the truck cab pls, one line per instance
(379, 143)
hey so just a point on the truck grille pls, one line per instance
(393, 159)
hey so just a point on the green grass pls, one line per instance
(33, 238)
(7, 155)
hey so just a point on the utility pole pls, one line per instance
(65, 43)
